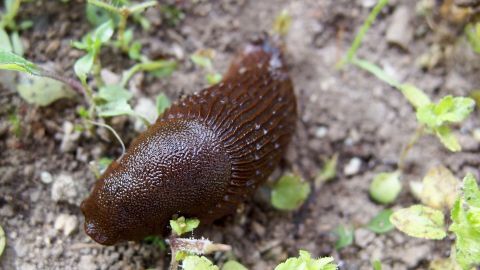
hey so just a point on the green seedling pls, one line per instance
(119, 12)
(344, 235)
(381, 223)
(289, 192)
(156, 241)
(328, 172)
(203, 59)
(306, 262)
(377, 265)
(11, 42)
(182, 225)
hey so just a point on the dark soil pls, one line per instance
(349, 112)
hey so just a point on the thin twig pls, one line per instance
(413, 140)
(114, 133)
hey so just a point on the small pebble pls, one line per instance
(64, 189)
(46, 177)
(66, 223)
(353, 166)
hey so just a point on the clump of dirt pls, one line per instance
(44, 170)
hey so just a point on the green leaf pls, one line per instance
(134, 52)
(115, 108)
(182, 225)
(306, 262)
(465, 215)
(233, 265)
(289, 192)
(5, 44)
(202, 61)
(415, 96)
(420, 221)
(440, 188)
(43, 91)
(377, 71)
(156, 241)
(385, 187)
(11, 61)
(3, 240)
(83, 66)
(377, 265)
(163, 103)
(97, 15)
(344, 237)
(16, 43)
(198, 263)
(471, 191)
(104, 32)
(448, 139)
(213, 78)
(381, 222)
(282, 23)
(448, 110)
(472, 31)
(113, 93)
(329, 170)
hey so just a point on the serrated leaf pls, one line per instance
(448, 139)
(163, 103)
(182, 225)
(306, 262)
(233, 265)
(381, 222)
(42, 91)
(11, 61)
(415, 96)
(83, 66)
(198, 263)
(420, 221)
(385, 187)
(344, 237)
(465, 216)
(289, 192)
(3, 240)
(448, 110)
(440, 188)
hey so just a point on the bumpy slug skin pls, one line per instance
(203, 156)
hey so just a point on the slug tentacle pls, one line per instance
(205, 155)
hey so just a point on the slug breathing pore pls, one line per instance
(205, 155)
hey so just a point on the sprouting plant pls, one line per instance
(119, 12)
(433, 118)
(11, 42)
(425, 221)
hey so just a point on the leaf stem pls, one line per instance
(361, 33)
(419, 132)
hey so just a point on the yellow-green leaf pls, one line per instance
(289, 192)
(420, 221)
(440, 188)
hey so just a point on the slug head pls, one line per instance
(175, 167)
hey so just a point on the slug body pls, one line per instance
(204, 156)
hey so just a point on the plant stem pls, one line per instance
(361, 33)
(122, 25)
(74, 84)
(9, 18)
(97, 68)
(419, 132)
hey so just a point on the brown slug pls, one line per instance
(205, 155)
